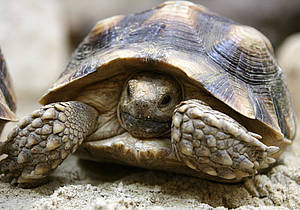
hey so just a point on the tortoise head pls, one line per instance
(147, 104)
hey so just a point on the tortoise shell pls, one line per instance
(233, 62)
(7, 94)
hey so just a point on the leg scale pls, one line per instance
(214, 143)
(42, 140)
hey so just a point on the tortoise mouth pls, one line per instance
(144, 127)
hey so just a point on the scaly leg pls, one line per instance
(41, 141)
(209, 141)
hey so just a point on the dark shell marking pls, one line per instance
(235, 63)
(7, 95)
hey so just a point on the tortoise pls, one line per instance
(7, 95)
(175, 88)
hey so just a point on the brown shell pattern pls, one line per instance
(235, 63)
(7, 94)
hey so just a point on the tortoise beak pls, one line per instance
(143, 127)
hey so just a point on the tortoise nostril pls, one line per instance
(141, 106)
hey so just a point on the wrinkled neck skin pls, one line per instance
(147, 103)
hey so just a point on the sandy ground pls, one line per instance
(78, 184)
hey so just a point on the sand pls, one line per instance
(79, 184)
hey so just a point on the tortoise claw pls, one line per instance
(271, 150)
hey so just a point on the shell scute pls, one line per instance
(7, 94)
(234, 63)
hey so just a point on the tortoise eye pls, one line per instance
(165, 100)
(128, 91)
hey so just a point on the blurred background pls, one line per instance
(38, 37)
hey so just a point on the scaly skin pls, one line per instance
(41, 141)
(212, 142)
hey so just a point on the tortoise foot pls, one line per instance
(42, 140)
(209, 141)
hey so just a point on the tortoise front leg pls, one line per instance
(209, 141)
(41, 141)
